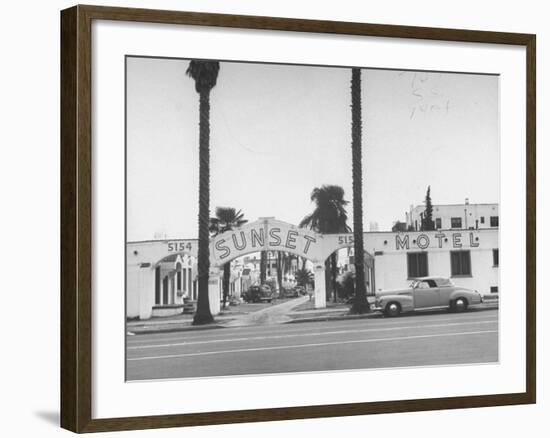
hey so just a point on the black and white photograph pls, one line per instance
(287, 218)
(274, 219)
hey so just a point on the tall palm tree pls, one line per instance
(360, 304)
(328, 217)
(227, 218)
(205, 75)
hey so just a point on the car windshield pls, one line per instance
(427, 283)
(422, 284)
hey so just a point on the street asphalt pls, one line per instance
(422, 339)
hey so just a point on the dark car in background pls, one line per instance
(293, 292)
(258, 294)
(289, 293)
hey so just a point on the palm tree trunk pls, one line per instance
(360, 304)
(328, 279)
(203, 315)
(334, 274)
(225, 282)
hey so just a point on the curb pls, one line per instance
(334, 318)
(219, 325)
(176, 329)
(484, 306)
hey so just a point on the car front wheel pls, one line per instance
(392, 309)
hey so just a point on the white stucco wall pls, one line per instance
(388, 248)
(132, 291)
(391, 259)
(468, 213)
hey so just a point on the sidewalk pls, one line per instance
(238, 316)
(173, 324)
(281, 313)
(343, 313)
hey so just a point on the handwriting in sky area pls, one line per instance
(426, 96)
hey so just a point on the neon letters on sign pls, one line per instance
(438, 240)
(263, 237)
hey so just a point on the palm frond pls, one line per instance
(329, 215)
(227, 218)
(306, 221)
(204, 73)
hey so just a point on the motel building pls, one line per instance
(161, 275)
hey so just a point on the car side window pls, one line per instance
(431, 283)
(423, 285)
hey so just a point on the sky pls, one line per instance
(278, 131)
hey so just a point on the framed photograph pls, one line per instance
(269, 218)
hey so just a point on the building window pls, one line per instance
(494, 289)
(438, 223)
(482, 219)
(494, 221)
(495, 257)
(417, 264)
(456, 222)
(460, 263)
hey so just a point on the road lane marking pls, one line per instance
(400, 324)
(321, 344)
(309, 331)
(285, 336)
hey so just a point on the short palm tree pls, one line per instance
(227, 219)
(360, 304)
(205, 75)
(303, 277)
(328, 217)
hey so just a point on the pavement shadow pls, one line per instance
(50, 417)
(472, 309)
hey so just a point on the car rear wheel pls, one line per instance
(392, 309)
(459, 305)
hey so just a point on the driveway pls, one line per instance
(274, 314)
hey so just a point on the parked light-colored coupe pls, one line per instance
(425, 293)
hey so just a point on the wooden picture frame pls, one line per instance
(76, 217)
